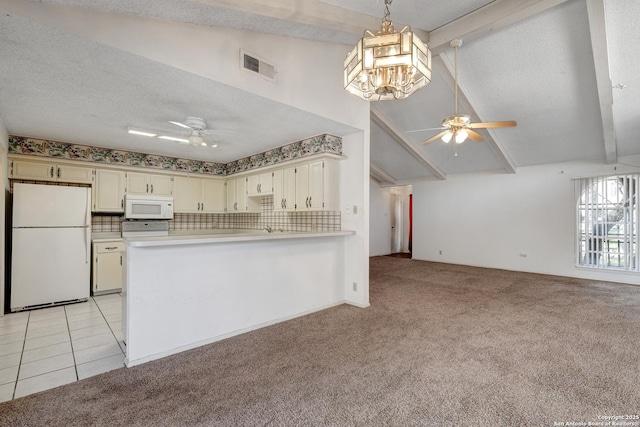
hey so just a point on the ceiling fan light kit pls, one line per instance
(388, 64)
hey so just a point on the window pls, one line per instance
(607, 222)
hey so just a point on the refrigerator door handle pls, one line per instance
(87, 211)
(87, 239)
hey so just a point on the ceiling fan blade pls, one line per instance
(474, 135)
(440, 135)
(212, 131)
(423, 130)
(493, 125)
(182, 125)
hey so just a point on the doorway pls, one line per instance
(400, 214)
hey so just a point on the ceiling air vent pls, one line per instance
(255, 64)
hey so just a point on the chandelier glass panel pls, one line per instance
(388, 64)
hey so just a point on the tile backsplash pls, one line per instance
(286, 221)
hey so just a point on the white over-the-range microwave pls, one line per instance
(148, 207)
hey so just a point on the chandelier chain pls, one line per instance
(387, 14)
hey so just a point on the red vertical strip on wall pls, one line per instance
(410, 222)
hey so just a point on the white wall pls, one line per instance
(489, 220)
(4, 142)
(379, 220)
(354, 177)
(219, 296)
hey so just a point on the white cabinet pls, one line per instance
(213, 195)
(309, 186)
(108, 191)
(260, 184)
(107, 267)
(198, 195)
(237, 195)
(284, 189)
(48, 171)
(144, 183)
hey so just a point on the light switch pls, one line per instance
(355, 209)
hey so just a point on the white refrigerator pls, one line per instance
(51, 245)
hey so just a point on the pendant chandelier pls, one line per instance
(388, 64)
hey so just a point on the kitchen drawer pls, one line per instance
(104, 247)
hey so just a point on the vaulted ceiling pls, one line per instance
(565, 70)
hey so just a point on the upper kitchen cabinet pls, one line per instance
(213, 195)
(237, 195)
(260, 184)
(198, 195)
(108, 191)
(148, 184)
(311, 186)
(49, 171)
(284, 189)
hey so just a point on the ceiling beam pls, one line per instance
(380, 175)
(447, 70)
(397, 135)
(309, 12)
(598, 31)
(487, 19)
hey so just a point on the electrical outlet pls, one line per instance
(355, 209)
(314, 227)
(355, 286)
(440, 252)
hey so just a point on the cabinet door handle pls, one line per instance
(198, 206)
(110, 248)
(122, 203)
(51, 171)
(58, 173)
(147, 188)
(120, 259)
(152, 188)
(309, 202)
(202, 206)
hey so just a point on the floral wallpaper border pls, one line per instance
(62, 150)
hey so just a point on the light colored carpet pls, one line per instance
(441, 345)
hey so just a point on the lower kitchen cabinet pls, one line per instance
(107, 267)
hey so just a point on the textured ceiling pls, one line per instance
(529, 61)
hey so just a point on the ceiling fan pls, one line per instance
(459, 126)
(197, 128)
(197, 131)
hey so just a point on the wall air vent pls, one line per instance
(254, 64)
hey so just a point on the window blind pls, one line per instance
(607, 221)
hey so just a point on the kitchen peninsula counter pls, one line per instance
(186, 290)
(190, 237)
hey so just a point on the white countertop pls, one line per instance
(106, 237)
(187, 237)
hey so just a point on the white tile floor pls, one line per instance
(49, 347)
